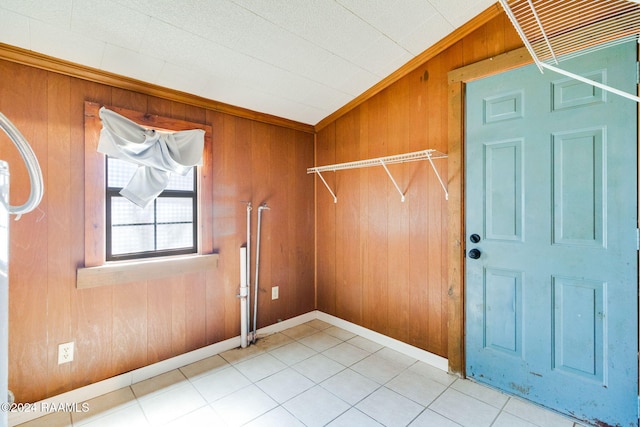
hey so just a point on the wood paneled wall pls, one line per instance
(124, 327)
(382, 263)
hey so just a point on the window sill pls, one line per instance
(134, 271)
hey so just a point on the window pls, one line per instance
(167, 226)
(95, 271)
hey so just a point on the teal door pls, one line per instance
(551, 218)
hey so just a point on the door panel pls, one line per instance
(579, 198)
(551, 293)
(503, 311)
(503, 190)
(578, 328)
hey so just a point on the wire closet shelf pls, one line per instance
(557, 30)
(429, 155)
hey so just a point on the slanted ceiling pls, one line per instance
(297, 59)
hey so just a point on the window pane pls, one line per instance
(125, 212)
(174, 209)
(183, 183)
(119, 172)
(175, 236)
(165, 225)
(131, 238)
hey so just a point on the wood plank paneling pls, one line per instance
(348, 256)
(195, 307)
(117, 328)
(398, 277)
(59, 230)
(215, 301)
(28, 109)
(398, 211)
(129, 333)
(325, 230)
(92, 312)
(272, 242)
(159, 325)
(303, 213)
(376, 277)
(263, 155)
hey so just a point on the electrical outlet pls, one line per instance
(275, 291)
(65, 353)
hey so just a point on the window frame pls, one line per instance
(95, 211)
(114, 192)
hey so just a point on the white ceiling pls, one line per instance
(296, 59)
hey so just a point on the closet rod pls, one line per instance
(384, 161)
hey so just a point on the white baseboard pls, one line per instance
(402, 347)
(91, 391)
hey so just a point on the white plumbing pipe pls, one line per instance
(247, 319)
(255, 297)
(243, 297)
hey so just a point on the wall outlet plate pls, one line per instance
(275, 292)
(65, 353)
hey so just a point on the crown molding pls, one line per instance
(48, 63)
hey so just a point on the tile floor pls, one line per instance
(313, 374)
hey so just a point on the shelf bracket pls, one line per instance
(384, 165)
(435, 170)
(335, 199)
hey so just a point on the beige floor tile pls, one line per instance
(536, 414)
(220, 384)
(428, 418)
(396, 357)
(284, 385)
(354, 417)
(203, 417)
(433, 373)
(272, 341)
(55, 419)
(244, 405)
(505, 419)
(316, 407)
(350, 386)
(310, 375)
(159, 383)
(131, 416)
(390, 408)
(346, 354)
(464, 409)
(172, 404)
(419, 389)
(300, 331)
(204, 367)
(318, 324)
(260, 367)
(339, 333)
(238, 355)
(365, 344)
(318, 368)
(293, 353)
(320, 341)
(480, 392)
(104, 405)
(278, 417)
(378, 369)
